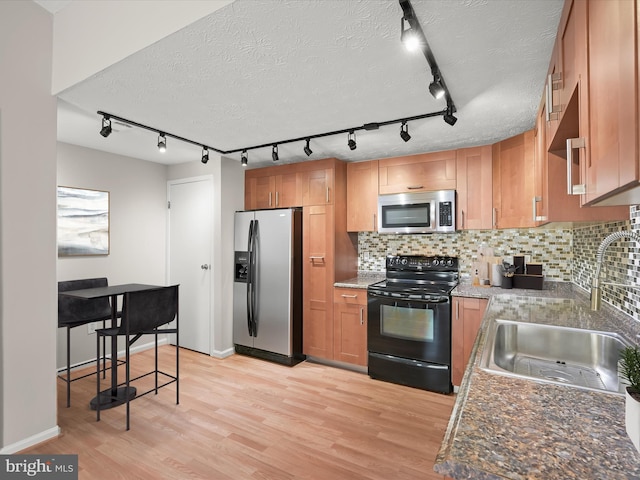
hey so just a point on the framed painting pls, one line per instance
(83, 222)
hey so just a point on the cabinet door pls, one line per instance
(258, 192)
(286, 190)
(467, 317)
(317, 187)
(350, 325)
(418, 173)
(362, 196)
(513, 181)
(474, 188)
(318, 279)
(612, 162)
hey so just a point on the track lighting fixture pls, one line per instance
(105, 131)
(409, 37)
(352, 140)
(205, 155)
(244, 158)
(404, 132)
(306, 149)
(274, 153)
(162, 143)
(436, 88)
(449, 118)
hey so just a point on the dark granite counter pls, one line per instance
(504, 427)
(363, 280)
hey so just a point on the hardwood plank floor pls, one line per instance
(243, 418)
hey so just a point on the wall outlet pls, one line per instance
(91, 327)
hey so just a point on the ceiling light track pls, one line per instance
(306, 138)
(438, 87)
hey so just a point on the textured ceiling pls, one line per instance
(261, 71)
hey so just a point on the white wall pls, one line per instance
(91, 36)
(228, 197)
(28, 287)
(138, 216)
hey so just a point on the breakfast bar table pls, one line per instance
(113, 396)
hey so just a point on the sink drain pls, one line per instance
(557, 371)
(558, 376)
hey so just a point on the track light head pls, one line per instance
(244, 159)
(274, 153)
(449, 118)
(105, 131)
(352, 140)
(162, 143)
(404, 132)
(408, 36)
(436, 88)
(205, 155)
(306, 149)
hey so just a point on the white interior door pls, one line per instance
(190, 250)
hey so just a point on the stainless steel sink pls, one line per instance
(574, 357)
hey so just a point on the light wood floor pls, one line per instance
(243, 418)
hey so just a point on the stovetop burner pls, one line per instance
(419, 276)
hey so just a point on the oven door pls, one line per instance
(409, 328)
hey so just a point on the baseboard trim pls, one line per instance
(31, 441)
(223, 353)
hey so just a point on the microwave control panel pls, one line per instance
(446, 214)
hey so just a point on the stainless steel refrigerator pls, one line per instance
(267, 289)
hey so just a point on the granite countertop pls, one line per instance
(504, 427)
(363, 280)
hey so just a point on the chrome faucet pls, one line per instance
(595, 283)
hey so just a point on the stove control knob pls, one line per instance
(450, 262)
(404, 261)
(435, 262)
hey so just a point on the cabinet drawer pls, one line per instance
(350, 296)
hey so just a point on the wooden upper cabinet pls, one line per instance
(362, 196)
(514, 181)
(474, 188)
(417, 173)
(271, 187)
(552, 202)
(569, 79)
(317, 186)
(613, 158)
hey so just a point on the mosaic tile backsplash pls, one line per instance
(552, 248)
(566, 255)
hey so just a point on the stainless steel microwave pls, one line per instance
(419, 212)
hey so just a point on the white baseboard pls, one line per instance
(30, 441)
(223, 353)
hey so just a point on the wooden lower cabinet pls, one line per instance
(350, 325)
(466, 318)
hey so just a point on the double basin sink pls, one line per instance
(574, 357)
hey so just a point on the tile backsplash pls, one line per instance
(551, 247)
(566, 254)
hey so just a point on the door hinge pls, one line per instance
(169, 205)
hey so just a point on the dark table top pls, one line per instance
(98, 292)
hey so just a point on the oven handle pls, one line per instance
(407, 299)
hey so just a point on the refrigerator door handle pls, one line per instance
(249, 280)
(254, 275)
